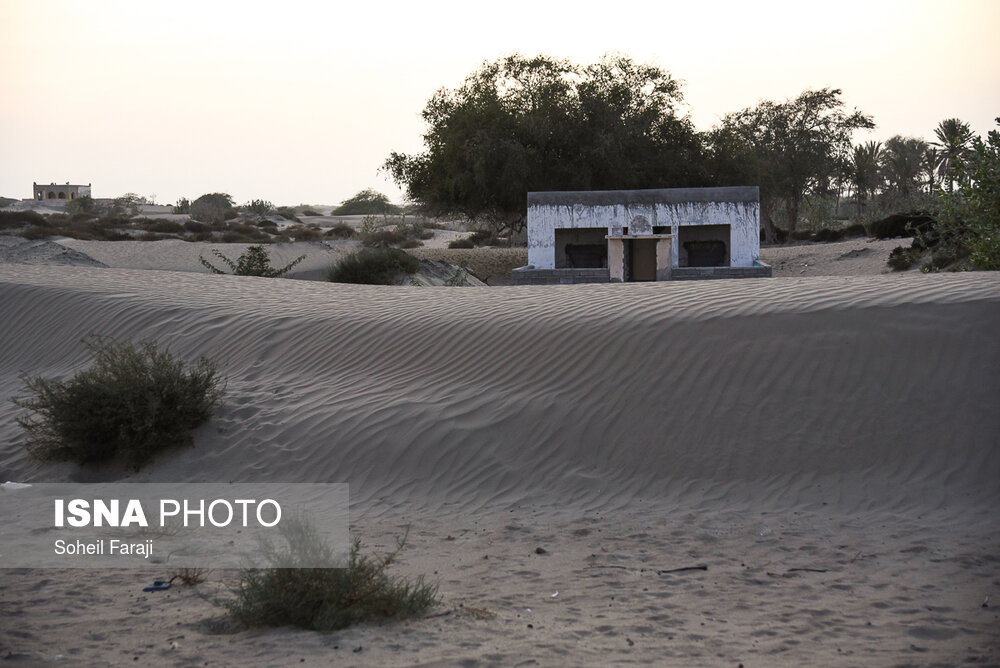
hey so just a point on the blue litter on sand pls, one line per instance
(158, 585)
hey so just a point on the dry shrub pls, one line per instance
(374, 266)
(134, 401)
(325, 599)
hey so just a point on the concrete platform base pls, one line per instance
(531, 276)
(760, 270)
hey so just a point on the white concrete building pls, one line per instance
(643, 235)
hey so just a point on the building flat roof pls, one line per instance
(651, 196)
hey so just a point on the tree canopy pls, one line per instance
(792, 148)
(973, 213)
(954, 139)
(367, 202)
(212, 207)
(523, 124)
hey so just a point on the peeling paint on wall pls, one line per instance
(644, 210)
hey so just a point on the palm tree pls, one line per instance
(931, 162)
(954, 141)
(865, 171)
(902, 161)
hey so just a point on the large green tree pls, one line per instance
(523, 124)
(794, 148)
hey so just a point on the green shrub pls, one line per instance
(12, 219)
(134, 401)
(340, 231)
(194, 227)
(901, 258)
(249, 231)
(212, 208)
(164, 226)
(461, 243)
(826, 235)
(367, 201)
(301, 233)
(34, 233)
(128, 205)
(382, 238)
(374, 266)
(253, 262)
(230, 237)
(411, 243)
(82, 204)
(306, 211)
(326, 599)
(259, 208)
(900, 225)
(288, 213)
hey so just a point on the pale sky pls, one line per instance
(301, 102)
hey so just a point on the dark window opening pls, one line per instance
(703, 246)
(592, 256)
(581, 248)
(706, 253)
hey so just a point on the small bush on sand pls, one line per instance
(12, 219)
(340, 231)
(194, 227)
(288, 213)
(188, 577)
(461, 243)
(382, 238)
(901, 258)
(327, 599)
(133, 402)
(253, 262)
(303, 233)
(164, 226)
(374, 266)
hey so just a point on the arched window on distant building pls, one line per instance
(62, 195)
(51, 195)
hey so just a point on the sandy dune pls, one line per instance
(826, 447)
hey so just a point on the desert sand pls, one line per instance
(825, 446)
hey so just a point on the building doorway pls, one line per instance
(641, 254)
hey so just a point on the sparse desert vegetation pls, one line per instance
(374, 266)
(326, 599)
(254, 261)
(134, 401)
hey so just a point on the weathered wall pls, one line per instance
(41, 191)
(645, 210)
